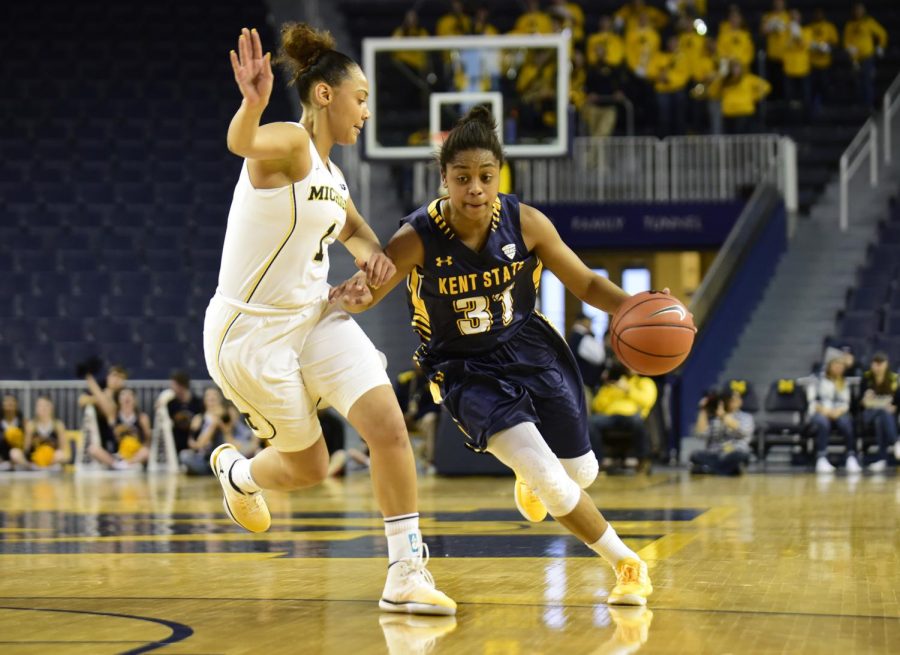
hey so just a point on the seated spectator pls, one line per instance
(12, 430)
(728, 431)
(623, 403)
(102, 399)
(335, 441)
(481, 23)
(44, 435)
(831, 410)
(691, 43)
(641, 45)
(589, 353)
(741, 93)
(182, 408)
(880, 398)
(207, 431)
(419, 409)
(125, 445)
(864, 39)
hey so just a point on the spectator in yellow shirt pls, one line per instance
(797, 68)
(641, 43)
(774, 27)
(670, 72)
(416, 60)
(455, 23)
(741, 93)
(573, 15)
(691, 43)
(533, 21)
(734, 42)
(824, 40)
(622, 404)
(629, 16)
(481, 24)
(705, 106)
(860, 36)
(613, 49)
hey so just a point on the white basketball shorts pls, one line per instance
(277, 368)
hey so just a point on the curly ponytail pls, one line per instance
(477, 130)
(309, 57)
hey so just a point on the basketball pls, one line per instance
(652, 333)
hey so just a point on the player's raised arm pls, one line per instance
(541, 236)
(254, 77)
(405, 250)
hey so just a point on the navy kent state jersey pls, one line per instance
(464, 302)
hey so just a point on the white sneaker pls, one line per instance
(824, 466)
(409, 589)
(248, 510)
(878, 467)
(853, 465)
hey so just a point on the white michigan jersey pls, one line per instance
(276, 244)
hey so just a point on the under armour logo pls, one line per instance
(440, 261)
(343, 187)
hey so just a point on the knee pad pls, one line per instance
(549, 481)
(524, 450)
(583, 470)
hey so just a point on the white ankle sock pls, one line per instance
(611, 548)
(240, 476)
(403, 537)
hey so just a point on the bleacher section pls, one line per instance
(116, 181)
(870, 320)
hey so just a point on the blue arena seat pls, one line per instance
(859, 324)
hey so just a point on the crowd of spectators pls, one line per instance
(679, 73)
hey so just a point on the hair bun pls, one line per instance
(302, 46)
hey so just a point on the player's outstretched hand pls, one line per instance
(252, 70)
(352, 292)
(379, 269)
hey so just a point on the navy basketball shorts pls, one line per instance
(532, 378)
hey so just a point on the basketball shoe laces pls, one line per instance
(416, 566)
(630, 575)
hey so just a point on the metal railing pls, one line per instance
(646, 169)
(864, 145)
(891, 108)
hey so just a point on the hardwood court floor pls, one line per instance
(760, 564)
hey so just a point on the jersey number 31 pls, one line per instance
(477, 314)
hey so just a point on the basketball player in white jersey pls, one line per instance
(273, 342)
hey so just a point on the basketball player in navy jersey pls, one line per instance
(271, 341)
(473, 261)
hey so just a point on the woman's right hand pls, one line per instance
(252, 70)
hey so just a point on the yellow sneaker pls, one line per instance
(632, 583)
(528, 504)
(406, 634)
(248, 510)
(409, 589)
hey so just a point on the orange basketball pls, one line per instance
(652, 333)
